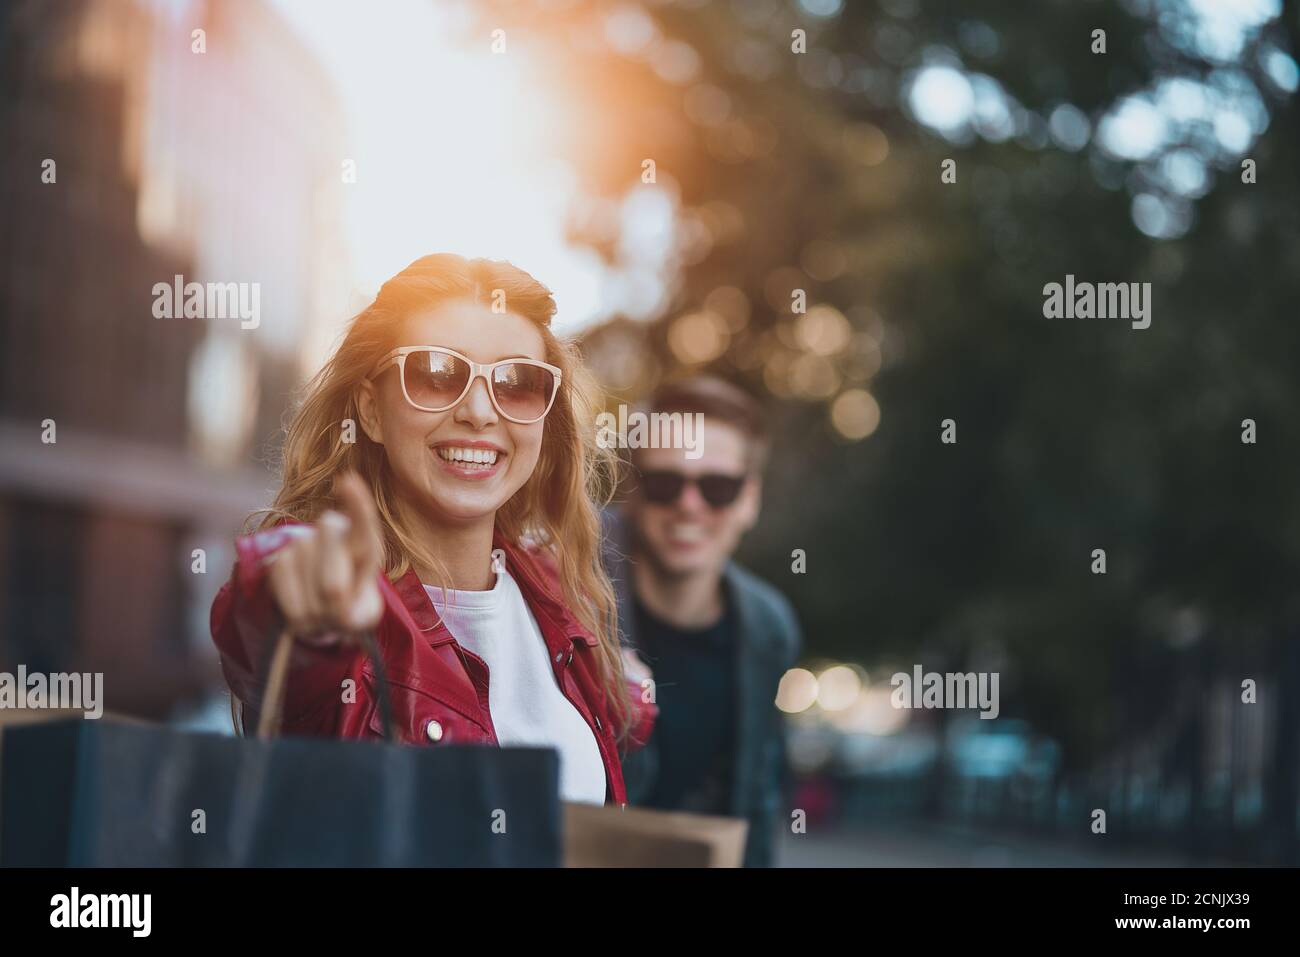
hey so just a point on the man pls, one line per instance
(715, 638)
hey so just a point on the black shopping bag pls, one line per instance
(107, 793)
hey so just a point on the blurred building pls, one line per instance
(130, 158)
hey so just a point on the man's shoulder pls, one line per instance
(757, 590)
(768, 605)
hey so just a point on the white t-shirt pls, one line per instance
(527, 705)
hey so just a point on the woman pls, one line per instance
(438, 489)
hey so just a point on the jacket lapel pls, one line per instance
(449, 680)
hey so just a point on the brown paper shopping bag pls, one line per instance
(638, 837)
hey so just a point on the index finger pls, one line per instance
(365, 534)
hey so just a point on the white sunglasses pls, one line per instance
(435, 379)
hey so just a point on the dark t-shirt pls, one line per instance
(695, 678)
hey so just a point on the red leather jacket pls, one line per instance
(439, 690)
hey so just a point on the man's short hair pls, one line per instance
(719, 401)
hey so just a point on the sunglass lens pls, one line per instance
(720, 490)
(523, 391)
(661, 488)
(434, 380)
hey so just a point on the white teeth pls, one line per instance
(485, 457)
(686, 533)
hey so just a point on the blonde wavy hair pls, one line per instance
(557, 509)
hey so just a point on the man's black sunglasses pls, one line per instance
(663, 487)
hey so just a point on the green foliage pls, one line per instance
(1073, 434)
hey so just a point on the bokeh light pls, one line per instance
(855, 414)
(698, 337)
(797, 691)
(823, 330)
(838, 687)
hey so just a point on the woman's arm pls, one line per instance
(246, 621)
(319, 581)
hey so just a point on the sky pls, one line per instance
(450, 143)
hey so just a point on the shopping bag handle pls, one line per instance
(276, 673)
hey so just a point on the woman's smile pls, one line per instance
(471, 460)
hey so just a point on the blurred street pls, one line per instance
(945, 846)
